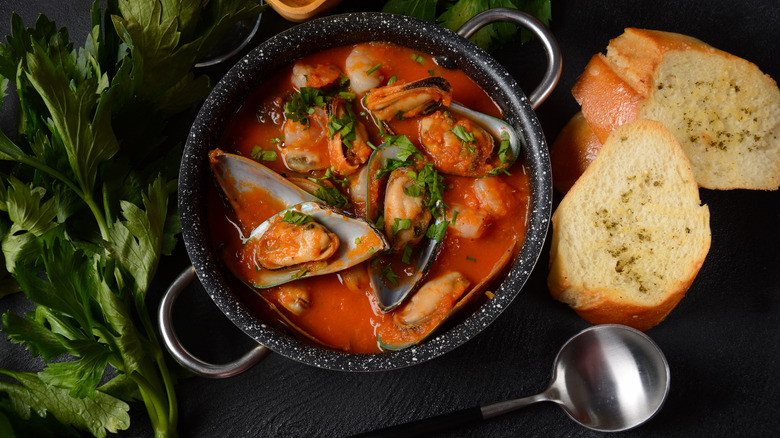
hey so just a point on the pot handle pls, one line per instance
(554, 59)
(184, 357)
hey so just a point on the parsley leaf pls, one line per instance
(437, 231)
(260, 154)
(400, 224)
(390, 275)
(302, 104)
(293, 217)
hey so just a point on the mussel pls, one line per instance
(461, 141)
(390, 291)
(435, 302)
(408, 99)
(357, 239)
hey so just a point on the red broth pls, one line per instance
(343, 313)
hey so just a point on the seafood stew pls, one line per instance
(324, 125)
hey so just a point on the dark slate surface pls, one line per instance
(722, 341)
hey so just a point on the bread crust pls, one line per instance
(572, 152)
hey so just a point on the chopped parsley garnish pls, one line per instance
(332, 196)
(417, 58)
(392, 80)
(302, 104)
(407, 255)
(400, 224)
(357, 240)
(276, 140)
(431, 72)
(293, 217)
(455, 214)
(437, 231)
(392, 277)
(260, 154)
(504, 154)
(379, 222)
(330, 175)
(345, 126)
(463, 135)
(471, 259)
(373, 69)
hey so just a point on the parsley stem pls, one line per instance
(86, 197)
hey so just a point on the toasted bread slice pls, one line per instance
(723, 110)
(631, 234)
(572, 152)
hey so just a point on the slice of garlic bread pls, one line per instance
(723, 110)
(631, 234)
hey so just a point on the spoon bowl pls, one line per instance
(610, 378)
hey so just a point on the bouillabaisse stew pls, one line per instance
(347, 171)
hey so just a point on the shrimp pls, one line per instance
(304, 75)
(467, 222)
(359, 66)
(305, 145)
(495, 196)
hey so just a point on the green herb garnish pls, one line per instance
(437, 231)
(392, 277)
(91, 208)
(392, 80)
(260, 154)
(302, 104)
(332, 196)
(373, 69)
(471, 259)
(504, 154)
(400, 224)
(417, 58)
(407, 255)
(296, 218)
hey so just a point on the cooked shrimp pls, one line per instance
(304, 75)
(495, 196)
(467, 222)
(360, 70)
(305, 145)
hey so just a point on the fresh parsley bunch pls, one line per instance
(452, 15)
(87, 198)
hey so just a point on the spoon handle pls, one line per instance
(426, 426)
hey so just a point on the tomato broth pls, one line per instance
(342, 312)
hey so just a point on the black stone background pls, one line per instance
(722, 341)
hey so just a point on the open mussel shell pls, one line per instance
(397, 336)
(497, 128)
(238, 175)
(359, 241)
(390, 294)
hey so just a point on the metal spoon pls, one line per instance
(607, 378)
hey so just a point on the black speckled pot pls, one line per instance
(318, 35)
